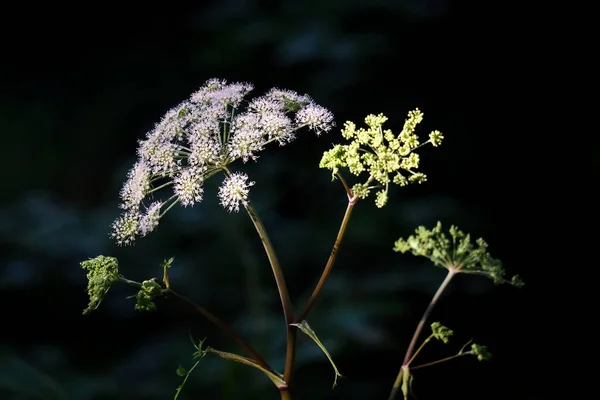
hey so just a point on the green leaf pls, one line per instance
(304, 327)
(407, 382)
(186, 374)
(168, 263)
(275, 377)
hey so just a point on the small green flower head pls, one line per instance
(440, 332)
(103, 272)
(455, 253)
(385, 157)
(481, 352)
(144, 298)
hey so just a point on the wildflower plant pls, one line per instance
(210, 135)
(459, 256)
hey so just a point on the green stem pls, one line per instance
(277, 271)
(419, 349)
(408, 358)
(330, 261)
(442, 360)
(425, 316)
(284, 294)
(225, 328)
(215, 320)
(400, 378)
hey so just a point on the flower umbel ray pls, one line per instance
(199, 138)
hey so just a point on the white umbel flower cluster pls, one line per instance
(199, 138)
(234, 190)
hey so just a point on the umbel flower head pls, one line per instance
(381, 154)
(199, 138)
(103, 272)
(456, 253)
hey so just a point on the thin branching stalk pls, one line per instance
(227, 329)
(429, 364)
(408, 358)
(286, 302)
(284, 294)
(330, 262)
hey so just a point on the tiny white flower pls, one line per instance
(136, 186)
(234, 191)
(276, 126)
(172, 125)
(315, 117)
(188, 186)
(160, 155)
(247, 138)
(288, 99)
(126, 227)
(149, 221)
(206, 150)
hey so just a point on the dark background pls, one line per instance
(81, 85)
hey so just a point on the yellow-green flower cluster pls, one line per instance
(386, 157)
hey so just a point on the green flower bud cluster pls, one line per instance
(103, 272)
(144, 298)
(455, 252)
(440, 332)
(481, 352)
(386, 157)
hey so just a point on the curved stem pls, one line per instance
(346, 187)
(330, 262)
(408, 358)
(284, 294)
(425, 316)
(215, 320)
(226, 329)
(277, 272)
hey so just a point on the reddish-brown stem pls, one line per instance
(226, 329)
(330, 262)
(408, 358)
(432, 303)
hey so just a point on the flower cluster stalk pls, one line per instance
(410, 352)
(291, 321)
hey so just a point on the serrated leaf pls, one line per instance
(304, 327)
